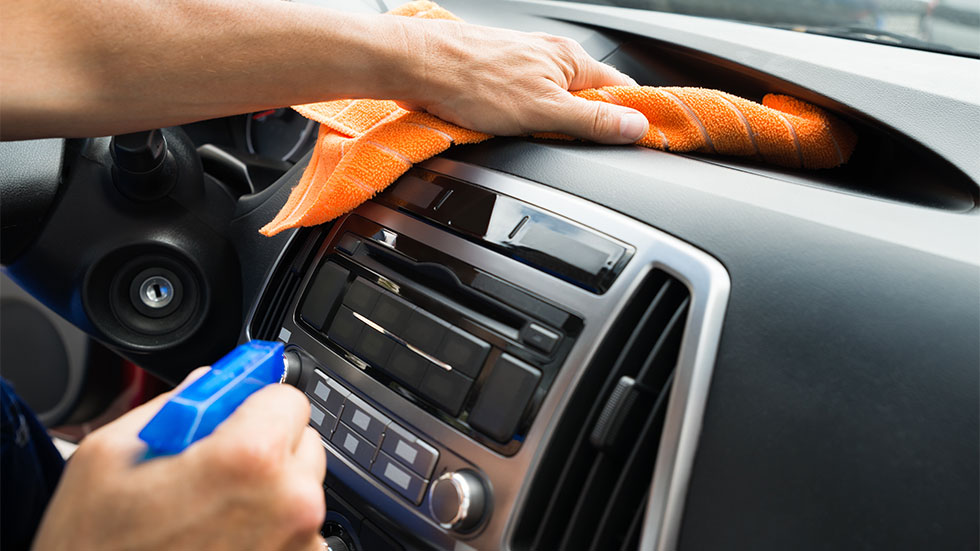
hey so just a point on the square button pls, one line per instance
(399, 478)
(413, 452)
(322, 293)
(407, 366)
(362, 296)
(447, 389)
(425, 332)
(323, 421)
(327, 392)
(353, 445)
(505, 395)
(464, 352)
(364, 419)
(392, 313)
(348, 244)
(540, 337)
(375, 347)
(345, 329)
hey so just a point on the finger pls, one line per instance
(275, 415)
(409, 105)
(317, 544)
(598, 121)
(311, 455)
(135, 419)
(595, 74)
(314, 542)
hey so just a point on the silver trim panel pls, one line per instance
(509, 477)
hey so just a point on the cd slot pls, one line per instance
(440, 283)
(448, 279)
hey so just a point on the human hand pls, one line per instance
(254, 483)
(507, 83)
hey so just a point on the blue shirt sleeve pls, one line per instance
(31, 467)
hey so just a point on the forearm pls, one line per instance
(81, 69)
(104, 67)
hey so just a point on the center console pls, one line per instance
(441, 329)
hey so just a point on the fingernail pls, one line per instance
(633, 126)
(631, 81)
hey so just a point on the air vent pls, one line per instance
(282, 287)
(592, 486)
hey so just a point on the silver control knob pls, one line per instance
(293, 364)
(457, 500)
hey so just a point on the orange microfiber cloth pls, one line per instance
(365, 145)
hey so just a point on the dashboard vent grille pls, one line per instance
(281, 288)
(267, 326)
(591, 490)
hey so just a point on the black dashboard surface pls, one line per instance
(844, 403)
(843, 406)
(843, 410)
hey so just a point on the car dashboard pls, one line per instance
(456, 322)
(530, 344)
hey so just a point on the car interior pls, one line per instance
(537, 344)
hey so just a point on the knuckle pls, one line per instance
(288, 396)
(547, 112)
(97, 445)
(306, 506)
(566, 47)
(601, 121)
(247, 459)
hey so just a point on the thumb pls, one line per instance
(599, 121)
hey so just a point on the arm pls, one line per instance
(94, 68)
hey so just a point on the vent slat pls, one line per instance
(582, 454)
(660, 362)
(575, 470)
(594, 495)
(277, 309)
(632, 485)
(282, 286)
(632, 540)
(584, 498)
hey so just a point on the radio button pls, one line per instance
(364, 419)
(407, 366)
(540, 337)
(399, 478)
(345, 329)
(504, 397)
(447, 389)
(361, 297)
(392, 313)
(348, 244)
(327, 392)
(464, 352)
(321, 295)
(374, 347)
(323, 421)
(406, 447)
(353, 445)
(425, 332)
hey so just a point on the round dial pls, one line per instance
(457, 500)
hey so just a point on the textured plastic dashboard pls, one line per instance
(843, 409)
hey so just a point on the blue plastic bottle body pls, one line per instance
(198, 409)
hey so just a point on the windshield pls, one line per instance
(951, 26)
